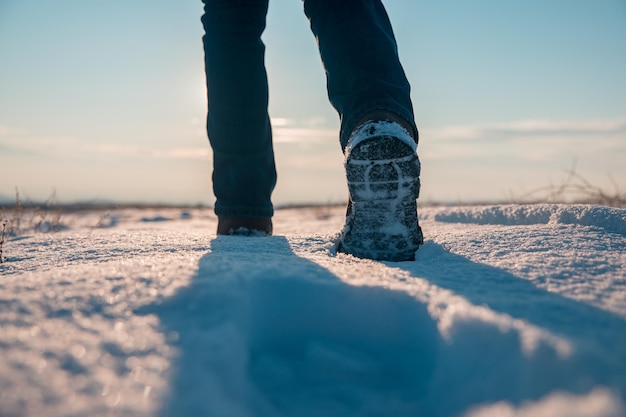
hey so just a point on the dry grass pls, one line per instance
(26, 217)
(4, 229)
(575, 188)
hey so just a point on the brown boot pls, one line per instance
(244, 226)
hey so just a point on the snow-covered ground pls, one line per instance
(507, 311)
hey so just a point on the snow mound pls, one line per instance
(611, 219)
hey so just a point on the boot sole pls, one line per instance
(382, 221)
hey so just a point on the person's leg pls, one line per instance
(238, 124)
(368, 87)
(360, 55)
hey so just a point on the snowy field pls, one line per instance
(507, 311)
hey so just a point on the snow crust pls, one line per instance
(613, 220)
(507, 311)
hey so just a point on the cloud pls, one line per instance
(70, 147)
(305, 135)
(315, 122)
(184, 153)
(281, 122)
(536, 140)
(600, 142)
(531, 128)
(8, 130)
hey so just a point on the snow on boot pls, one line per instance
(383, 171)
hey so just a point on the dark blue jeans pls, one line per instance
(364, 74)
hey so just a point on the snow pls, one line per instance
(507, 311)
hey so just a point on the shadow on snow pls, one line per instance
(260, 331)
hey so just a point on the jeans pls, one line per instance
(359, 53)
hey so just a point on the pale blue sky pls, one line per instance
(106, 99)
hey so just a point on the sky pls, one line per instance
(106, 100)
